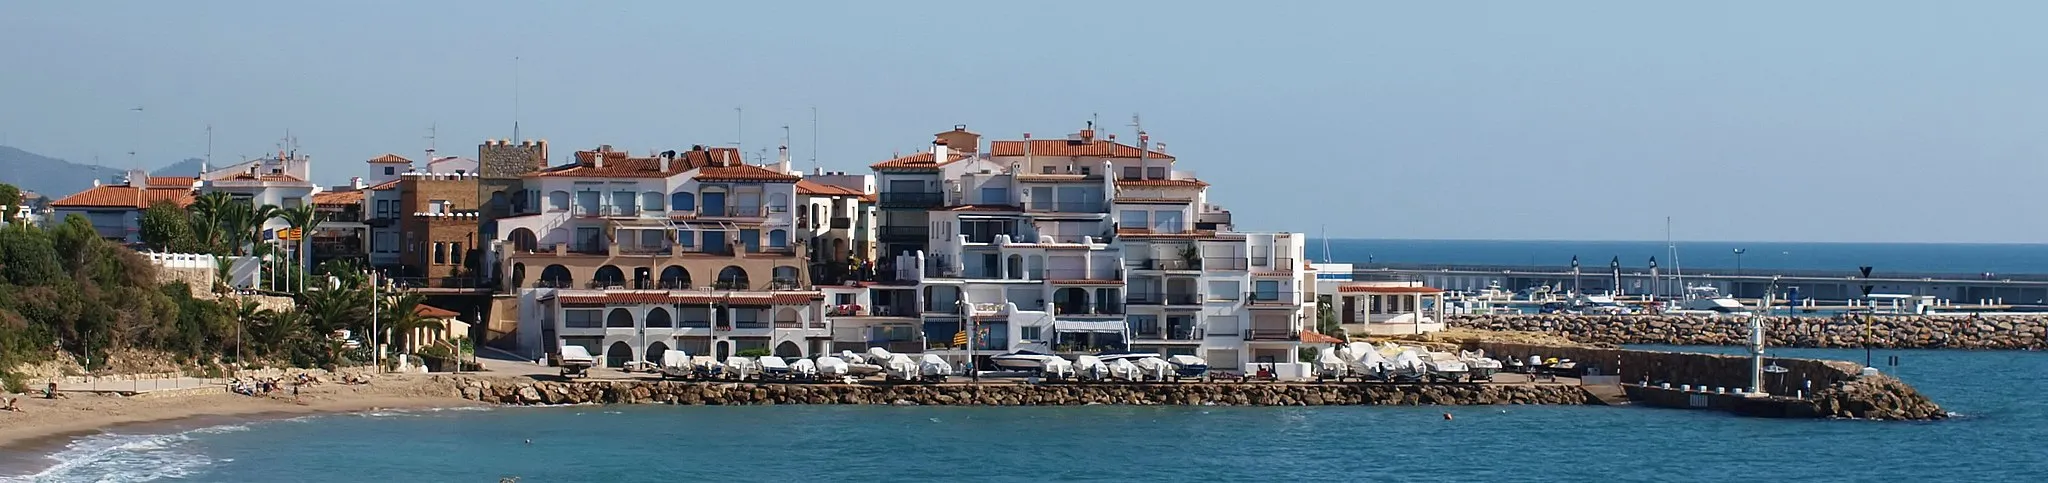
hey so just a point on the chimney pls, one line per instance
(356, 182)
(1088, 134)
(602, 152)
(1027, 151)
(782, 163)
(1144, 155)
(939, 151)
(664, 162)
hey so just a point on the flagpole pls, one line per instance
(376, 353)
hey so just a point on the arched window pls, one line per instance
(618, 355)
(786, 277)
(619, 318)
(682, 201)
(609, 276)
(651, 201)
(523, 240)
(558, 201)
(658, 317)
(675, 278)
(778, 239)
(556, 276)
(733, 278)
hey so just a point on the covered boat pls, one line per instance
(1368, 364)
(576, 361)
(1408, 367)
(1058, 369)
(877, 355)
(803, 369)
(1113, 356)
(675, 364)
(830, 366)
(1445, 367)
(899, 367)
(1482, 368)
(932, 368)
(741, 368)
(1123, 369)
(852, 358)
(1188, 366)
(1090, 368)
(1330, 365)
(1022, 360)
(773, 367)
(1153, 368)
(706, 367)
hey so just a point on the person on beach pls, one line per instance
(13, 405)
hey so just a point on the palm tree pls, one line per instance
(303, 218)
(246, 312)
(208, 212)
(403, 319)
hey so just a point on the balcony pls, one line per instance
(1263, 332)
(842, 223)
(1163, 298)
(1170, 264)
(663, 250)
(1271, 299)
(912, 199)
(1176, 332)
(1284, 264)
(738, 211)
(1068, 207)
(1081, 275)
(904, 233)
(555, 283)
(1225, 263)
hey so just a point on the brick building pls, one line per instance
(438, 220)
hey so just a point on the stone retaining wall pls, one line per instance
(1900, 331)
(1227, 394)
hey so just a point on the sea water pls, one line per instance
(1997, 434)
(1958, 258)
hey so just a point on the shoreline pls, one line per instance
(46, 427)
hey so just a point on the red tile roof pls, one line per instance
(1163, 183)
(916, 162)
(997, 208)
(433, 312)
(1313, 337)
(743, 173)
(1382, 289)
(718, 162)
(1062, 147)
(171, 181)
(390, 158)
(125, 197)
(383, 186)
(338, 198)
(813, 188)
(742, 299)
(264, 177)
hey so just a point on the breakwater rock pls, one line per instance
(1894, 331)
(503, 391)
(1816, 388)
(1876, 397)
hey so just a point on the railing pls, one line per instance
(899, 233)
(1068, 206)
(1080, 274)
(556, 283)
(841, 223)
(1225, 263)
(1162, 298)
(1285, 264)
(735, 211)
(729, 285)
(911, 199)
(1170, 264)
(605, 283)
(1270, 298)
(693, 324)
(1271, 333)
(781, 284)
(646, 250)
(438, 282)
(1173, 332)
(672, 284)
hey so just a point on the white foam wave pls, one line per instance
(127, 457)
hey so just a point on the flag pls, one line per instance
(960, 338)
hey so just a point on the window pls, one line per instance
(437, 206)
(293, 203)
(440, 253)
(455, 252)
(588, 202)
(1085, 171)
(686, 238)
(1131, 172)
(1223, 290)
(1155, 172)
(623, 203)
(778, 238)
(1133, 218)
(1266, 290)
(388, 170)
(682, 201)
(1030, 332)
(1045, 169)
(582, 318)
(383, 206)
(558, 201)
(1165, 221)
(651, 201)
(995, 196)
(715, 242)
(751, 238)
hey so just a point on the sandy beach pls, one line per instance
(46, 425)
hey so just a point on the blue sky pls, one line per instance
(1808, 121)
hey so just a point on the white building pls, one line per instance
(115, 210)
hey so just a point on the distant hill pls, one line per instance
(57, 178)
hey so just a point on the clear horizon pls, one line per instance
(1831, 121)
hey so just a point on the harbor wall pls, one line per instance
(2005, 332)
(512, 392)
(1808, 388)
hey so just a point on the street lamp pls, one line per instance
(1738, 260)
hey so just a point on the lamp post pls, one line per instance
(1738, 260)
(1866, 314)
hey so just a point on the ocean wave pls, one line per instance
(127, 457)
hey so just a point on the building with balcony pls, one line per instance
(836, 218)
(1389, 307)
(115, 210)
(342, 233)
(665, 231)
(437, 225)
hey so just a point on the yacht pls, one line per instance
(1707, 300)
(1022, 360)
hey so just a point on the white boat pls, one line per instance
(772, 367)
(1482, 368)
(1366, 362)
(1090, 368)
(852, 358)
(1058, 369)
(576, 361)
(900, 367)
(675, 364)
(933, 368)
(1330, 366)
(1188, 366)
(1707, 300)
(1124, 369)
(1154, 369)
(1445, 367)
(830, 366)
(740, 368)
(877, 355)
(706, 367)
(1022, 360)
(804, 369)
(1408, 367)
(1108, 357)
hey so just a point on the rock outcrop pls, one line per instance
(1875, 397)
(1893, 331)
(502, 391)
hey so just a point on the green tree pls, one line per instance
(10, 197)
(209, 216)
(167, 228)
(28, 258)
(1326, 318)
(402, 319)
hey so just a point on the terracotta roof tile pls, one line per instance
(1062, 147)
(916, 162)
(383, 186)
(618, 164)
(743, 173)
(433, 312)
(338, 198)
(1163, 183)
(1313, 337)
(743, 299)
(170, 181)
(124, 197)
(813, 188)
(998, 208)
(390, 158)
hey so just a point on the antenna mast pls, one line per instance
(739, 124)
(814, 138)
(515, 100)
(207, 163)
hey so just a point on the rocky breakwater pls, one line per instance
(1808, 388)
(1875, 397)
(513, 392)
(1895, 331)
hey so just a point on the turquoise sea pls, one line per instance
(1998, 435)
(1896, 258)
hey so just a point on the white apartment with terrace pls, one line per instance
(643, 240)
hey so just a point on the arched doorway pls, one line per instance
(655, 351)
(658, 317)
(523, 240)
(556, 276)
(618, 355)
(1014, 269)
(1071, 300)
(619, 318)
(608, 276)
(724, 350)
(733, 278)
(786, 318)
(518, 275)
(675, 278)
(784, 278)
(788, 349)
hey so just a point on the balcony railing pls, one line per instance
(646, 250)
(1170, 264)
(1172, 332)
(1068, 206)
(735, 211)
(841, 223)
(1225, 263)
(1270, 298)
(605, 283)
(904, 233)
(784, 285)
(1272, 333)
(1163, 298)
(1080, 274)
(911, 199)
(672, 284)
(1284, 264)
(555, 283)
